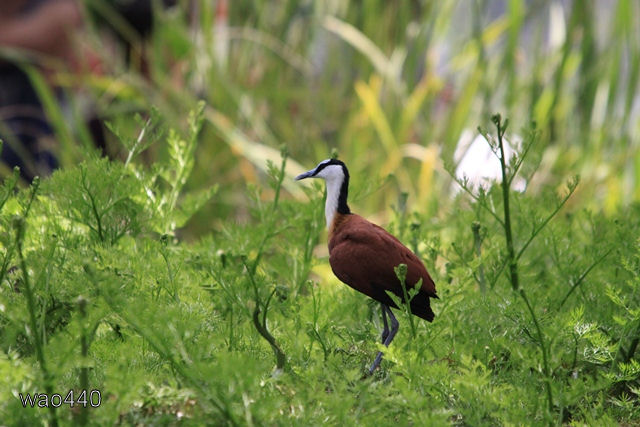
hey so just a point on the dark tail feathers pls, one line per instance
(420, 306)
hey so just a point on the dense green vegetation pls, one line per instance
(186, 278)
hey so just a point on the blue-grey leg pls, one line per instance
(392, 333)
(385, 331)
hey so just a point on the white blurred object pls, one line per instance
(557, 28)
(480, 165)
(221, 33)
(209, 54)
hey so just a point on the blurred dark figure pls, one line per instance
(43, 28)
(138, 16)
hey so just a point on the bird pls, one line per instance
(363, 255)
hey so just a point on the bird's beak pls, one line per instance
(307, 174)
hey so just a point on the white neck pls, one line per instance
(333, 193)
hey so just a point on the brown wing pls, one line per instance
(364, 255)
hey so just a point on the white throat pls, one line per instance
(333, 193)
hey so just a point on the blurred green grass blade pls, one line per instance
(106, 87)
(282, 50)
(429, 84)
(459, 114)
(516, 14)
(588, 74)
(106, 10)
(468, 55)
(256, 153)
(68, 154)
(350, 34)
(369, 98)
(15, 144)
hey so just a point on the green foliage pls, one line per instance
(186, 285)
(99, 196)
(247, 325)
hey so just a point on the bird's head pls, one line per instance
(336, 175)
(331, 170)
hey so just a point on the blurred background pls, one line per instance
(396, 88)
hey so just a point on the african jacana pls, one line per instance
(363, 255)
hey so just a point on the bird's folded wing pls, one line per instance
(365, 259)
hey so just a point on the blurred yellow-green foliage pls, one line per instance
(394, 87)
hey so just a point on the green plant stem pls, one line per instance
(28, 292)
(513, 263)
(261, 325)
(513, 259)
(546, 221)
(133, 151)
(477, 198)
(94, 208)
(536, 231)
(5, 262)
(477, 243)
(84, 351)
(171, 275)
(401, 274)
(582, 277)
(633, 346)
(31, 305)
(10, 183)
(543, 348)
(269, 233)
